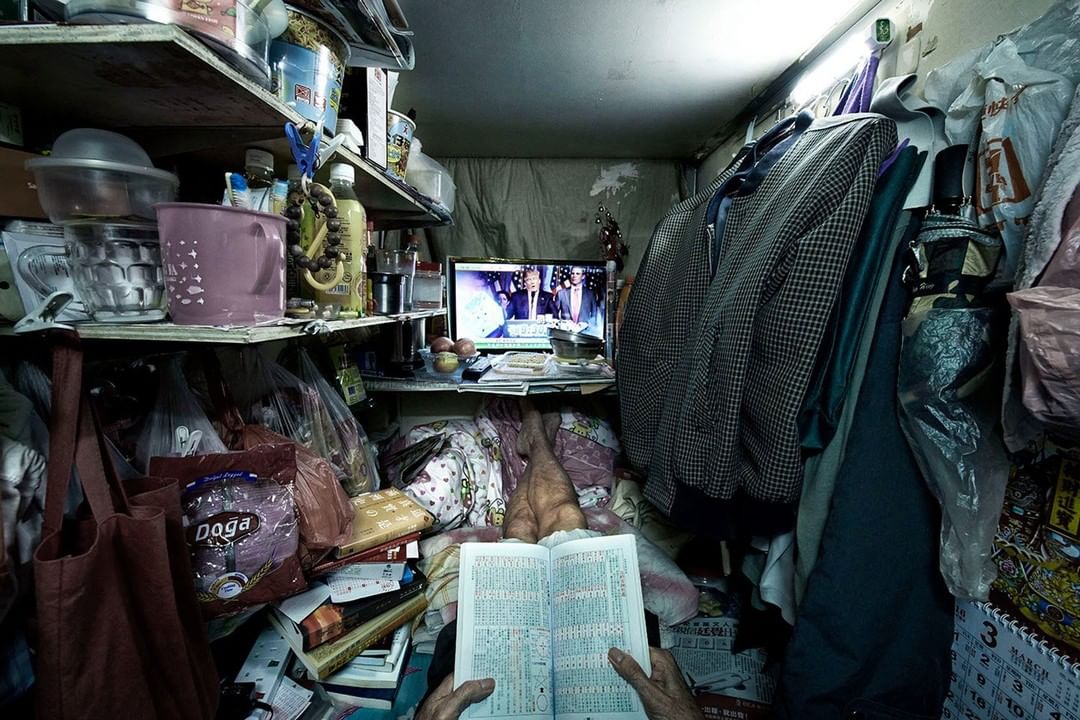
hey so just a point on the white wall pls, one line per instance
(949, 27)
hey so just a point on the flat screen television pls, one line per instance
(510, 304)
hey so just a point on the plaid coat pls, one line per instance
(712, 380)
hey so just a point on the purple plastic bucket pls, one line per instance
(223, 265)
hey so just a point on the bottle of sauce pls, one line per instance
(350, 295)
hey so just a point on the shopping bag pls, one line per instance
(119, 629)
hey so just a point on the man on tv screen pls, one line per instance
(531, 303)
(576, 303)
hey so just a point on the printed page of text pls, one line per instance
(596, 605)
(504, 630)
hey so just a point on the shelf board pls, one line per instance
(168, 90)
(168, 332)
(372, 384)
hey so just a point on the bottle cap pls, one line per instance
(259, 158)
(343, 171)
(294, 173)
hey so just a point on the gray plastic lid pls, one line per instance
(93, 149)
(94, 144)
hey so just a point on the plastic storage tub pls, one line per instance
(238, 33)
(97, 174)
(430, 177)
(223, 265)
(308, 66)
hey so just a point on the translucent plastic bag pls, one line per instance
(325, 513)
(282, 402)
(351, 450)
(1049, 355)
(177, 425)
(1016, 110)
(949, 397)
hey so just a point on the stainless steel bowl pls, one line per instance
(575, 346)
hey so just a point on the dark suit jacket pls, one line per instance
(519, 305)
(587, 312)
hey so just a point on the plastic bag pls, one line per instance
(1048, 43)
(1020, 109)
(353, 445)
(282, 402)
(325, 513)
(1050, 355)
(948, 410)
(177, 425)
(241, 524)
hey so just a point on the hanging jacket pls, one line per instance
(667, 296)
(727, 455)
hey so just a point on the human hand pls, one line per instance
(664, 694)
(446, 703)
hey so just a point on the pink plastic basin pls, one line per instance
(223, 265)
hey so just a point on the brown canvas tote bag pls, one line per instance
(119, 629)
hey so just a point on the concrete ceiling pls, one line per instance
(597, 78)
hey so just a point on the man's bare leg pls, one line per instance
(520, 523)
(551, 495)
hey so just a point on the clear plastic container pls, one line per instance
(430, 177)
(98, 175)
(232, 28)
(115, 269)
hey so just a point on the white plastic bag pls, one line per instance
(177, 425)
(1013, 112)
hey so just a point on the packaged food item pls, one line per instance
(241, 524)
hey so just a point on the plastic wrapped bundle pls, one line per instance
(351, 450)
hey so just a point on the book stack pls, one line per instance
(349, 630)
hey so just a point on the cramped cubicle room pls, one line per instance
(547, 359)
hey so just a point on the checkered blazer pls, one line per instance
(727, 448)
(664, 303)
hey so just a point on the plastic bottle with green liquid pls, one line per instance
(349, 294)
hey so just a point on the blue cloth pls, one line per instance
(16, 670)
(828, 388)
(875, 627)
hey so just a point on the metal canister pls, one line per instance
(388, 292)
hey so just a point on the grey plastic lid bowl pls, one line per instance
(92, 149)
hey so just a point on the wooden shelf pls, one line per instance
(169, 91)
(168, 332)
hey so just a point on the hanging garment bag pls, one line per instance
(120, 633)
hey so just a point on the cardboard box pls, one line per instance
(373, 120)
(382, 516)
(18, 193)
(1003, 669)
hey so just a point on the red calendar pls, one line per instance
(1004, 671)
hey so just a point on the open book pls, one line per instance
(540, 623)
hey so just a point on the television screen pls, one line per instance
(510, 304)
